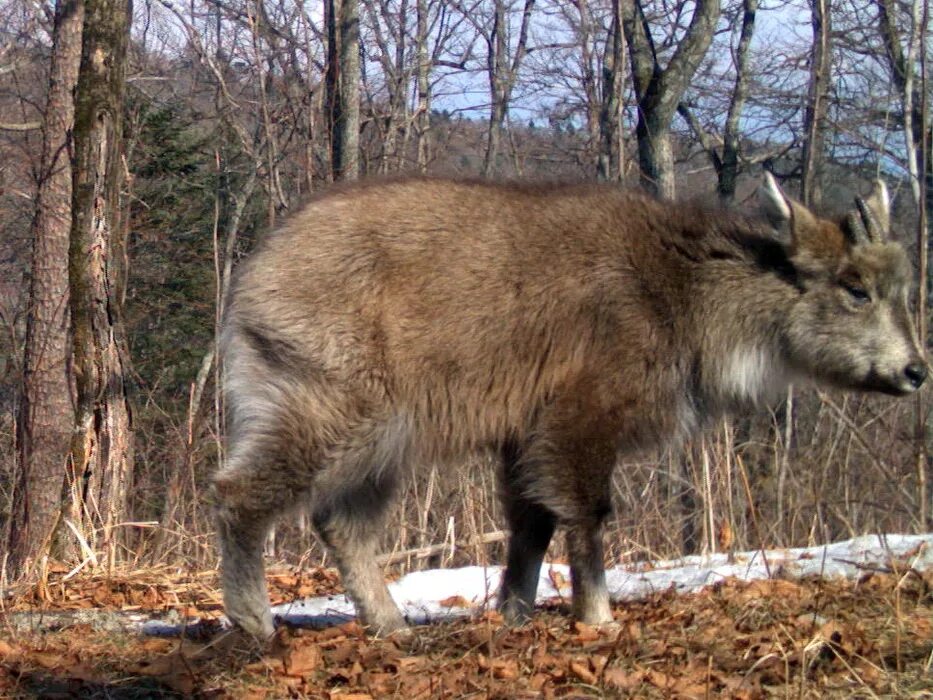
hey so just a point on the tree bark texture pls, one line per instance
(659, 89)
(95, 495)
(729, 172)
(726, 162)
(423, 117)
(46, 417)
(815, 114)
(343, 80)
(609, 165)
(502, 75)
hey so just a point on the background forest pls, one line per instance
(229, 113)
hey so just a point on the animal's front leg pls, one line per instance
(568, 468)
(588, 575)
(531, 526)
(575, 486)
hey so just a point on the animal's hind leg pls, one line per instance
(351, 499)
(250, 492)
(532, 526)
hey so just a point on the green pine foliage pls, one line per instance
(170, 290)
(182, 169)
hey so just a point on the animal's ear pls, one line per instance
(870, 219)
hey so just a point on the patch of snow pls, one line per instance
(428, 596)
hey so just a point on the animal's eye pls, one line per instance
(858, 293)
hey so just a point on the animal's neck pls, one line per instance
(749, 374)
(741, 358)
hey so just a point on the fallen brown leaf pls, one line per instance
(7, 650)
(505, 669)
(558, 580)
(582, 671)
(454, 601)
(585, 633)
(301, 660)
(623, 680)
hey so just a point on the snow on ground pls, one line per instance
(427, 596)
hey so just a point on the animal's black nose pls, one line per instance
(916, 373)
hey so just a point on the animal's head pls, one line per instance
(851, 326)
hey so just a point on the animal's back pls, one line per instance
(458, 303)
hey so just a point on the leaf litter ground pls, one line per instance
(868, 637)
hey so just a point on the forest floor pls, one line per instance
(865, 638)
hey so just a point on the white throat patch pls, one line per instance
(752, 374)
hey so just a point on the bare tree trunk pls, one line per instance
(609, 165)
(729, 172)
(331, 86)
(502, 76)
(311, 105)
(815, 115)
(656, 154)
(398, 98)
(276, 200)
(494, 138)
(726, 163)
(343, 86)
(923, 195)
(496, 67)
(46, 411)
(98, 483)
(423, 117)
(660, 89)
(901, 68)
(588, 79)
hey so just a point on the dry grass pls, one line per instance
(820, 469)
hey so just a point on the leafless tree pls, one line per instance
(46, 415)
(659, 88)
(503, 62)
(611, 162)
(101, 464)
(582, 66)
(343, 86)
(725, 160)
(388, 23)
(817, 98)
(423, 73)
(729, 172)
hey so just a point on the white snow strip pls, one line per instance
(473, 588)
